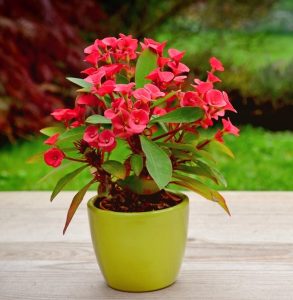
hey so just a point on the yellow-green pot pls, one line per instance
(139, 251)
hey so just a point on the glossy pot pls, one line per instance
(139, 251)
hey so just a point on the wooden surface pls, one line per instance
(247, 256)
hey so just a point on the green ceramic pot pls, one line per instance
(139, 251)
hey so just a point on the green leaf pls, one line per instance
(210, 171)
(139, 185)
(202, 169)
(219, 147)
(80, 82)
(162, 100)
(97, 119)
(163, 126)
(183, 147)
(180, 155)
(198, 187)
(70, 136)
(64, 180)
(136, 163)
(121, 152)
(191, 138)
(158, 162)
(84, 90)
(55, 171)
(146, 63)
(204, 155)
(115, 168)
(180, 115)
(49, 131)
(75, 203)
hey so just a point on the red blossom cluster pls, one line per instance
(114, 95)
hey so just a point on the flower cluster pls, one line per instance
(142, 96)
(130, 108)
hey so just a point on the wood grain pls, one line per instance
(246, 256)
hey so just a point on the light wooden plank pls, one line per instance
(247, 256)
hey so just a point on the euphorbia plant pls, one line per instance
(137, 124)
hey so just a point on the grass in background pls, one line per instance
(264, 161)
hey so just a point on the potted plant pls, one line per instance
(137, 125)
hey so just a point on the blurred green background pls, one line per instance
(41, 43)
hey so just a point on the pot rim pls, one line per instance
(183, 203)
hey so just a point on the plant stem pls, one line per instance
(168, 133)
(180, 137)
(199, 147)
(75, 159)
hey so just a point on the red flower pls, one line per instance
(127, 42)
(229, 127)
(110, 42)
(91, 134)
(106, 140)
(207, 122)
(219, 136)
(120, 124)
(153, 45)
(95, 78)
(154, 91)
(117, 105)
(93, 54)
(138, 120)
(213, 78)
(65, 114)
(127, 45)
(53, 157)
(142, 94)
(148, 93)
(179, 79)
(191, 99)
(52, 139)
(215, 98)
(140, 104)
(165, 76)
(88, 99)
(124, 88)
(89, 71)
(159, 111)
(216, 64)
(106, 88)
(203, 87)
(80, 114)
(162, 61)
(161, 77)
(111, 70)
(175, 54)
(178, 68)
(228, 106)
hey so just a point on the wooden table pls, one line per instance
(247, 256)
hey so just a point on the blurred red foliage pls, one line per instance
(41, 42)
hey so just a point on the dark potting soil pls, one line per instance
(138, 203)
